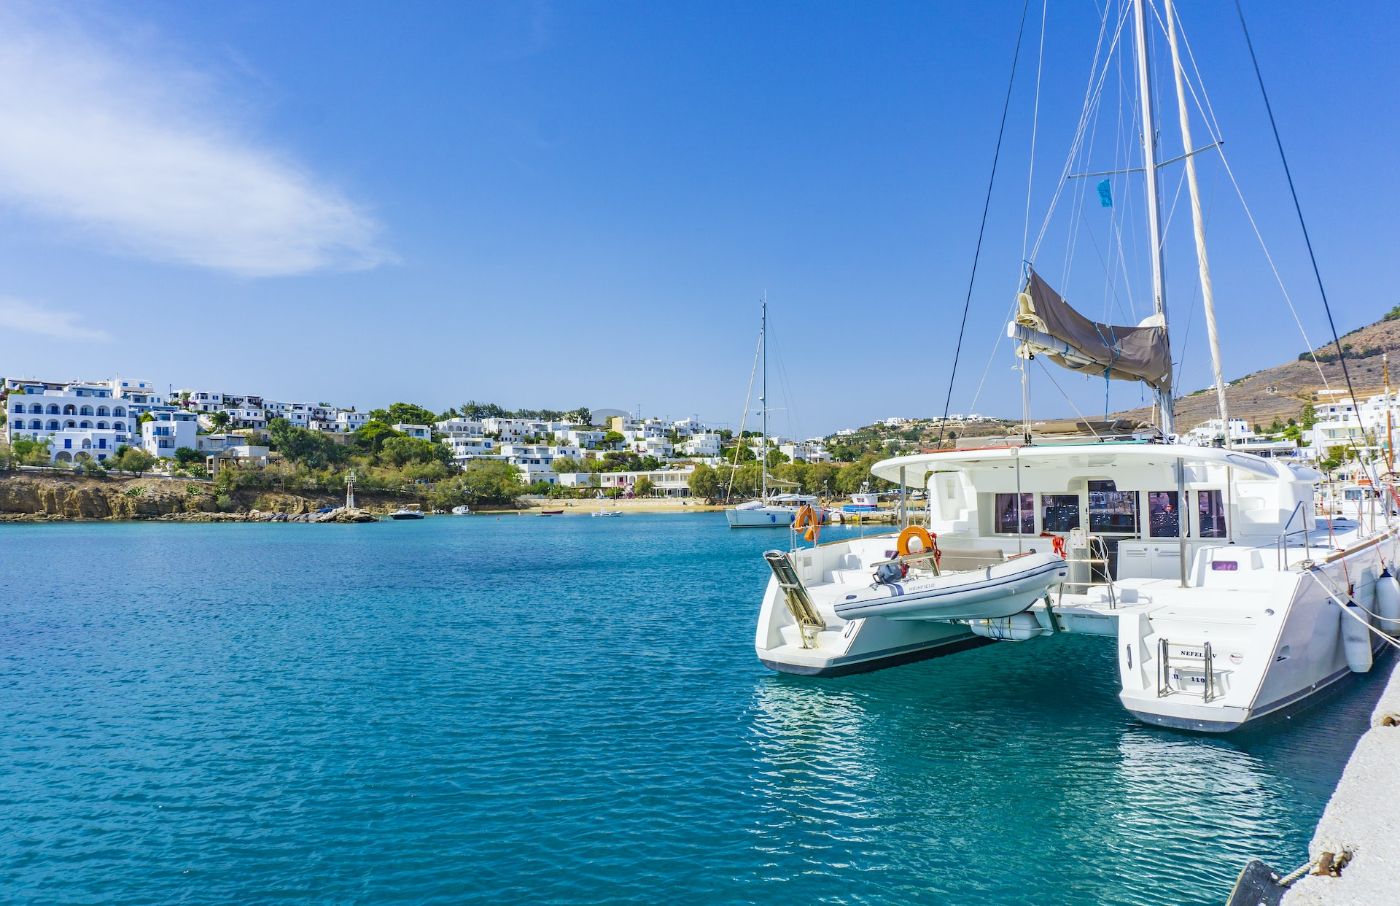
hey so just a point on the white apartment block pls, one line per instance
(418, 432)
(76, 418)
(588, 439)
(665, 482)
(805, 451)
(465, 448)
(460, 427)
(703, 444)
(166, 432)
(348, 421)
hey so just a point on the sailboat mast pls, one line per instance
(1389, 428)
(1198, 221)
(763, 401)
(1154, 214)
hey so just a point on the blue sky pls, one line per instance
(555, 204)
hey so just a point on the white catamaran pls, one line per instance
(1226, 598)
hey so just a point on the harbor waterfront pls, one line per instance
(569, 709)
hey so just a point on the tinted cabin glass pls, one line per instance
(1211, 509)
(1163, 515)
(1059, 512)
(1011, 513)
(1111, 510)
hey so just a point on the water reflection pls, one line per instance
(1010, 771)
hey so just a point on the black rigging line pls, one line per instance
(986, 206)
(1297, 206)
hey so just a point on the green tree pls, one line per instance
(404, 414)
(32, 452)
(219, 422)
(132, 459)
(490, 481)
(704, 482)
(613, 438)
(1308, 418)
(566, 464)
(643, 487)
(371, 436)
(301, 445)
(187, 457)
(401, 451)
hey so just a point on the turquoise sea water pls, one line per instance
(511, 709)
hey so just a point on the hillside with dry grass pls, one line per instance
(1282, 391)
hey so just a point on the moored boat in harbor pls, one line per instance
(1227, 600)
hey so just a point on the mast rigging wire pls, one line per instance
(1298, 207)
(982, 228)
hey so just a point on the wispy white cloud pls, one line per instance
(26, 317)
(147, 156)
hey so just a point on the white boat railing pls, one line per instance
(1281, 545)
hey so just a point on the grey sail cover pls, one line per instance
(1137, 353)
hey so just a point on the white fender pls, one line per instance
(1388, 603)
(1356, 639)
(1016, 628)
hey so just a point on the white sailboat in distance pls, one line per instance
(767, 510)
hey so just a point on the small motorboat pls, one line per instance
(990, 592)
(607, 513)
(461, 510)
(551, 512)
(407, 512)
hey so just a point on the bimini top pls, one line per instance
(1089, 455)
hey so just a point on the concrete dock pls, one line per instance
(1361, 825)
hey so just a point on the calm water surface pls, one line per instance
(569, 709)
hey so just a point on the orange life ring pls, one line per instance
(1057, 542)
(927, 542)
(807, 516)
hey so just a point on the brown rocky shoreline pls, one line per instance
(56, 497)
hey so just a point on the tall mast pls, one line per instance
(763, 400)
(1389, 428)
(1198, 221)
(1154, 214)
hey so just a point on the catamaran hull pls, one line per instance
(941, 646)
(765, 517)
(1277, 664)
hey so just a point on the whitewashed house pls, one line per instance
(166, 432)
(418, 432)
(705, 444)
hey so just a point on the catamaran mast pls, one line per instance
(763, 401)
(1154, 214)
(1389, 428)
(1198, 221)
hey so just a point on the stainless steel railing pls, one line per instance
(1164, 672)
(1281, 544)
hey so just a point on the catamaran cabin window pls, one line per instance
(1112, 511)
(1059, 512)
(1211, 508)
(1163, 515)
(1011, 512)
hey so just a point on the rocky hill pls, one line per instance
(1282, 391)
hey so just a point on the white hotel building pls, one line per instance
(76, 418)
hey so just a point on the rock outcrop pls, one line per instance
(40, 496)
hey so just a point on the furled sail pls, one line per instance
(1045, 324)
